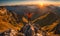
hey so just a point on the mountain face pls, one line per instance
(45, 23)
(9, 20)
(41, 24)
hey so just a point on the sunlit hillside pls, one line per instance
(30, 20)
(9, 20)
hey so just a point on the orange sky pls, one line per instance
(30, 2)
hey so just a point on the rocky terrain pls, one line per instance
(44, 21)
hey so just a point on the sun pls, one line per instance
(41, 5)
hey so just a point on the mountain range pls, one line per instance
(47, 18)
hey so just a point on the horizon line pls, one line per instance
(29, 2)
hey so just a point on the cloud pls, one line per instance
(26, 0)
(54, 0)
(13, 2)
(51, 0)
(2, 1)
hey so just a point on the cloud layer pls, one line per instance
(12, 2)
(18, 0)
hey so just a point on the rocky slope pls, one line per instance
(13, 17)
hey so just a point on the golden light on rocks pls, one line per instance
(3, 10)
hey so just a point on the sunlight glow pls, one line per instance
(41, 5)
(30, 2)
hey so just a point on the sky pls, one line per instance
(17, 2)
